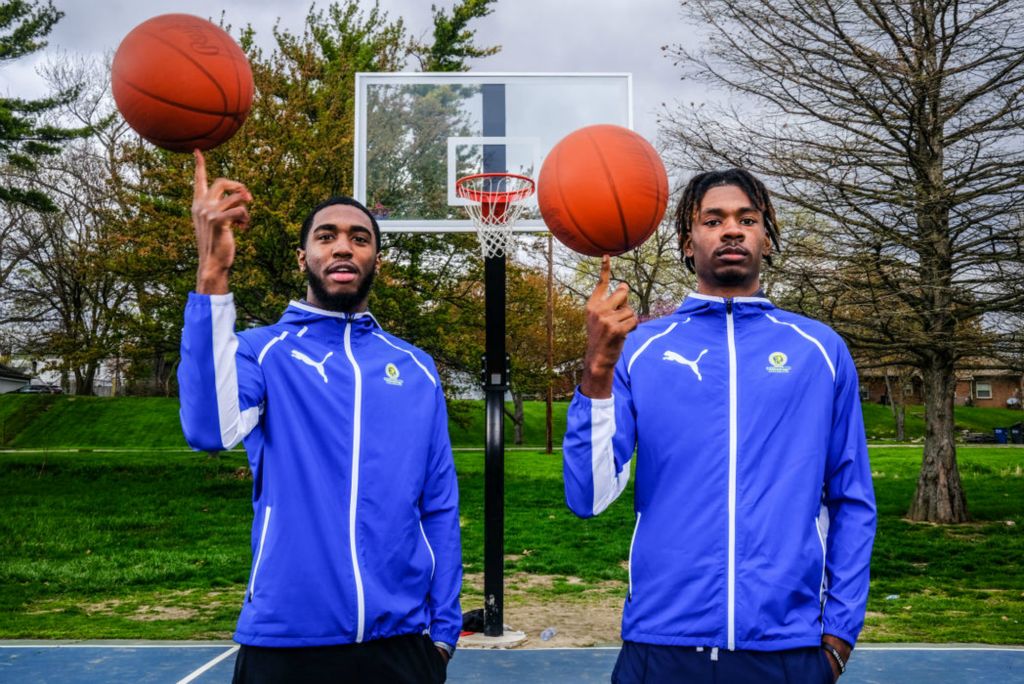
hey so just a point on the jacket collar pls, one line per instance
(304, 313)
(696, 302)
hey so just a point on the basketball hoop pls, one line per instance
(496, 201)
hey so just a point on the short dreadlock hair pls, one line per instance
(698, 186)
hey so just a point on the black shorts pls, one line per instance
(410, 658)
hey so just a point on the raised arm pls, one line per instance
(600, 431)
(220, 383)
(216, 209)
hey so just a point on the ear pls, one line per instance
(766, 247)
(300, 258)
(376, 262)
(688, 245)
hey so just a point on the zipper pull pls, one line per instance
(728, 306)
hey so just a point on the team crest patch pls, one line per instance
(778, 363)
(391, 371)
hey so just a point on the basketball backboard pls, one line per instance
(417, 133)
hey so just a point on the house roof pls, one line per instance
(8, 373)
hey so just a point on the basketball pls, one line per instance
(602, 190)
(181, 82)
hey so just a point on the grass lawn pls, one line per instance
(52, 421)
(155, 545)
(880, 425)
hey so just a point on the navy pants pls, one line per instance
(652, 664)
(406, 659)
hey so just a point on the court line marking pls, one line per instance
(207, 666)
(865, 647)
(2, 646)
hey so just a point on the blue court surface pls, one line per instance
(38, 662)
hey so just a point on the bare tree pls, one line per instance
(62, 300)
(896, 125)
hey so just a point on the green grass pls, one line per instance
(18, 411)
(51, 421)
(466, 424)
(155, 545)
(104, 422)
(879, 423)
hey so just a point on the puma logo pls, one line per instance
(310, 362)
(672, 356)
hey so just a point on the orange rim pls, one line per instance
(464, 190)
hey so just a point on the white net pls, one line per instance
(496, 200)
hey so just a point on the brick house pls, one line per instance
(987, 387)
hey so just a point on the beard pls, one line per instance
(343, 302)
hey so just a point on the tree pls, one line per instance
(453, 39)
(63, 300)
(897, 126)
(294, 150)
(527, 337)
(24, 139)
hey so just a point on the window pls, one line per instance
(983, 390)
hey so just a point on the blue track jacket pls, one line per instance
(355, 531)
(755, 512)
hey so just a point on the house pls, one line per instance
(992, 387)
(12, 380)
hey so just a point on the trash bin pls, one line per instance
(1017, 433)
(1001, 434)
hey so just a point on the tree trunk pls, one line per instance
(896, 405)
(940, 495)
(517, 418)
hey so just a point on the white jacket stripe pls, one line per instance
(357, 420)
(647, 343)
(411, 355)
(818, 344)
(608, 484)
(271, 343)
(234, 424)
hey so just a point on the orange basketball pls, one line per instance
(182, 82)
(602, 190)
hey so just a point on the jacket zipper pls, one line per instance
(731, 600)
(259, 551)
(357, 416)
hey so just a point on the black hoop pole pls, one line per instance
(495, 384)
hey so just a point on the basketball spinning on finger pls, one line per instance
(602, 190)
(182, 82)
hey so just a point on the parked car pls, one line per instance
(40, 389)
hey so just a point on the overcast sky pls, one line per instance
(535, 35)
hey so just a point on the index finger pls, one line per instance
(200, 178)
(604, 277)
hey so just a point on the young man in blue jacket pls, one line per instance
(355, 542)
(755, 512)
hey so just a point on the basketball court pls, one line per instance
(211, 663)
(417, 135)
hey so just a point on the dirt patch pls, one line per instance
(155, 613)
(590, 617)
(172, 605)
